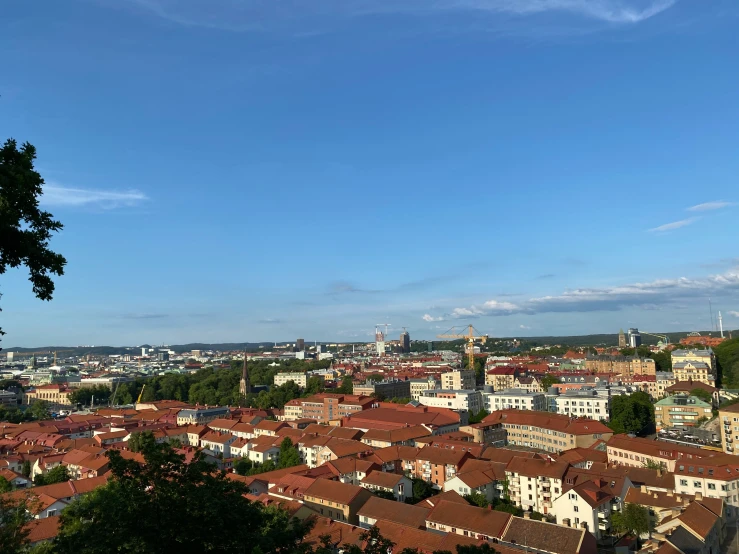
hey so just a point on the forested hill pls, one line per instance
(526, 343)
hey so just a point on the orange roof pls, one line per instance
(481, 521)
(397, 512)
(334, 491)
(547, 420)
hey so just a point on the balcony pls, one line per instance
(602, 514)
(604, 525)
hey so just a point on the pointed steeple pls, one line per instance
(244, 386)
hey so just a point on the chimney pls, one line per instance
(643, 488)
(527, 515)
(699, 496)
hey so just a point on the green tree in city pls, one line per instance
(702, 394)
(633, 413)
(5, 485)
(656, 466)
(381, 493)
(289, 455)
(634, 518)
(166, 505)
(421, 489)
(662, 360)
(13, 525)
(140, 441)
(56, 475)
(26, 469)
(548, 380)
(375, 543)
(479, 416)
(314, 385)
(40, 410)
(347, 385)
(477, 499)
(25, 229)
(242, 466)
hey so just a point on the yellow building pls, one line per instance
(680, 411)
(54, 394)
(729, 421)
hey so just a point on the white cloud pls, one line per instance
(645, 295)
(305, 17)
(430, 318)
(524, 327)
(57, 195)
(734, 313)
(674, 225)
(707, 206)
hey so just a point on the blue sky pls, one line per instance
(233, 170)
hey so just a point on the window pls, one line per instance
(697, 484)
(575, 508)
(711, 486)
(684, 482)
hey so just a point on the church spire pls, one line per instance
(244, 386)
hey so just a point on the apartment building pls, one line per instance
(418, 386)
(515, 399)
(621, 365)
(458, 400)
(714, 477)
(585, 403)
(529, 384)
(466, 520)
(729, 425)
(462, 379)
(501, 377)
(336, 500)
(547, 431)
(437, 465)
(588, 505)
(680, 411)
(201, 415)
(707, 356)
(300, 379)
(663, 381)
(638, 452)
(326, 407)
(438, 420)
(534, 483)
(54, 394)
(695, 371)
(388, 388)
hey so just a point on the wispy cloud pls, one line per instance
(430, 318)
(674, 225)
(270, 321)
(648, 295)
(524, 327)
(708, 206)
(733, 313)
(58, 195)
(546, 276)
(305, 17)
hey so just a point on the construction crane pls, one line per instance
(471, 336)
(138, 400)
(664, 338)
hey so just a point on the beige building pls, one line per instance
(694, 371)
(463, 379)
(706, 356)
(336, 500)
(418, 386)
(300, 379)
(54, 394)
(621, 365)
(680, 411)
(729, 421)
(389, 388)
(547, 431)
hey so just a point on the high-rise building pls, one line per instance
(10, 357)
(300, 345)
(621, 339)
(634, 337)
(405, 342)
(380, 342)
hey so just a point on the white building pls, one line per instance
(463, 379)
(519, 399)
(584, 403)
(586, 506)
(534, 483)
(300, 379)
(468, 400)
(418, 386)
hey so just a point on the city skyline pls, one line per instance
(240, 173)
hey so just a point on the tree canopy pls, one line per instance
(25, 229)
(633, 413)
(166, 505)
